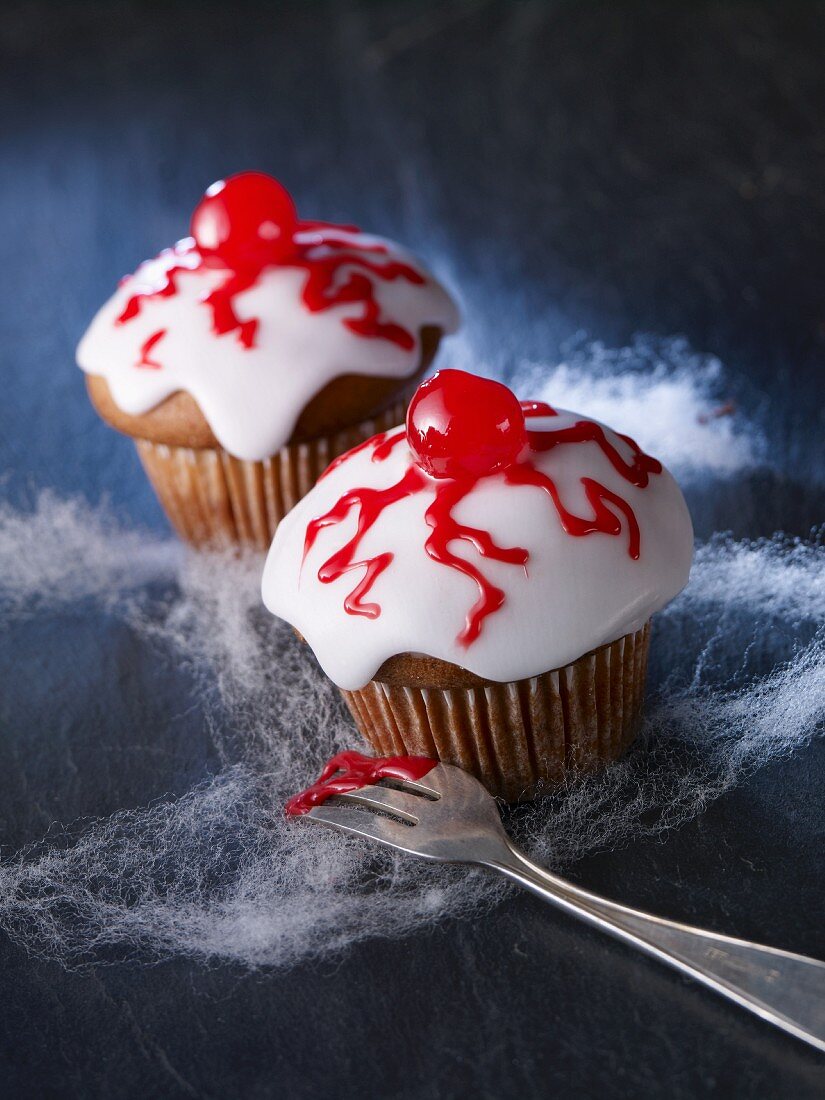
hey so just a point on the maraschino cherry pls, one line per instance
(460, 426)
(245, 221)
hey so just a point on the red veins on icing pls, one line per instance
(146, 347)
(370, 503)
(382, 445)
(348, 771)
(247, 223)
(461, 429)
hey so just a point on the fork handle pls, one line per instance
(785, 989)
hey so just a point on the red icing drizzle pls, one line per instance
(637, 472)
(146, 349)
(348, 771)
(537, 408)
(382, 445)
(461, 428)
(247, 224)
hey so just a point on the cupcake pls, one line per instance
(247, 356)
(480, 584)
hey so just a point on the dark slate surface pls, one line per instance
(608, 167)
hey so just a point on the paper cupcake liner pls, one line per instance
(213, 498)
(521, 736)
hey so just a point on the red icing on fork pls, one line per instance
(348, 771)
(248, 223)
(461, 429)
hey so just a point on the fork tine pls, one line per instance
(400, 803)
(347, 819)
(458, 823)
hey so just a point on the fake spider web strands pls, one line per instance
(676, 403)
(738, 672)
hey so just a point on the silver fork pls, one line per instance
(449, 817)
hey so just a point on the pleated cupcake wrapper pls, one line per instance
(522, 736)
(213, 498)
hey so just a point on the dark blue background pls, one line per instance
(612, 168)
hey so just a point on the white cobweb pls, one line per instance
(738, 667)
(672, 400)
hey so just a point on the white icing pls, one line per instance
(252, 397)
(575, 594)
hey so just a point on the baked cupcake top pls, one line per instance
(256, 312)
(505, 538)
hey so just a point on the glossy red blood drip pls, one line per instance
(248, 223)
(637, 471)
(444, 529)
(146, 347)
(323, 290)
(221, 302)
(537, 408)
(370, 503)
(603, 519)
(434, 422)
(348, 771)
(382, 445)
(167, 289)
